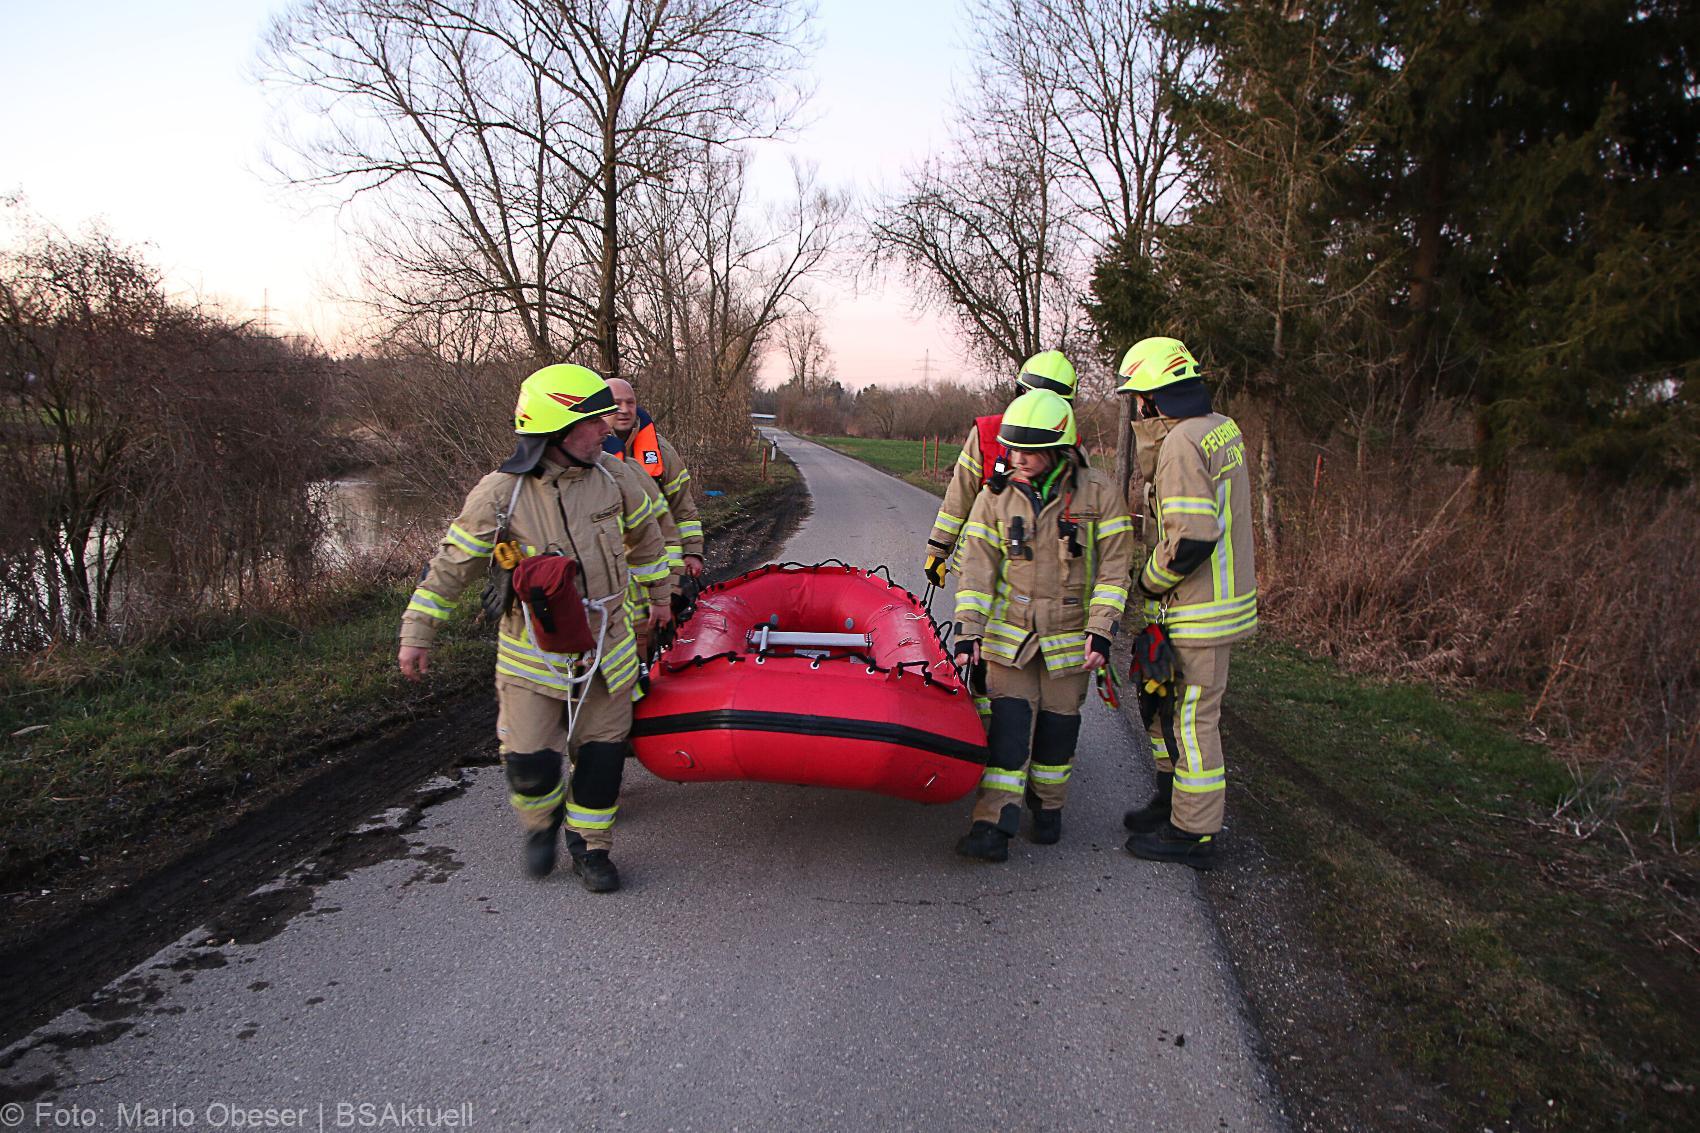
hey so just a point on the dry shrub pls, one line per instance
(1585, 600)
(156, 460)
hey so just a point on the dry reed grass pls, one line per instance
(1587, 602)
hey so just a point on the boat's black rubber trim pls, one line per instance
(802, 724)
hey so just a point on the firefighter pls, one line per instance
(1044, 571)
(1198, 585)
(636, 441)
(977, 464)
(558, 492)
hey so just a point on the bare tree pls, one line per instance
(807, 359)
(500, 140)
(981, 235)
(1104, 66)
(1061, 149)
(154, 459)
(711, 284)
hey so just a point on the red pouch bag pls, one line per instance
(553, 608)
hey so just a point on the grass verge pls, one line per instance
(102, 749)
(1541, 973)
(120, 743)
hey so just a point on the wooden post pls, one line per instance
(764, 464)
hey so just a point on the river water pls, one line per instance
(366, 516)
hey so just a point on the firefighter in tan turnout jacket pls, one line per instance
(558, 494)
(635, 440)
(1199, 584)
(977, 463)
(1044, 566)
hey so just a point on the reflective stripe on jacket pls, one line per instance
(603, 516)
(1045, 605)
(972, 469)
(1201, 493)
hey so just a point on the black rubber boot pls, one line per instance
(1155, 813)
(1167, 844)
(540, 847)
(1047, 827)
(596, 871)
(984, 841)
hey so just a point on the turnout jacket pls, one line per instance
(1036, 595)
(966, 478)
(1200, 580)
(603, 515)
(655, 454)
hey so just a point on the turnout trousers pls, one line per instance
(1190, 744)
(1035, 723)
(532, 729)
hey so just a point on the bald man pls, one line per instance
(635, 439)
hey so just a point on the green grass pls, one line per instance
(1520, 964)
(902, 459)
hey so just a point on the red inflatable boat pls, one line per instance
(825, 676)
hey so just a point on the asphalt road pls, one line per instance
(781, 958)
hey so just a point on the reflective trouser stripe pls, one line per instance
(999, 779)
(589, 818)
(1160, 750)
(537, 802)
(1186, 730)
(1051, 772)
(1216, 780)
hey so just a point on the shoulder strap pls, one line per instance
(507, 513)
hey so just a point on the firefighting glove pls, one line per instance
(976, 670)
(934, 569)
(1153, 671)
(1098, 643)
(498, 595)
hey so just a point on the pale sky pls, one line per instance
(145, 116)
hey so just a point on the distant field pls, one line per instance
(901, 458)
